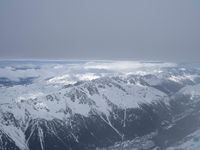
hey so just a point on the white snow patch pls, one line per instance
(16, 135)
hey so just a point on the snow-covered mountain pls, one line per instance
(90, 105)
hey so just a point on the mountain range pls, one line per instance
(96, 105)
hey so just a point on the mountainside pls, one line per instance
(150, 107)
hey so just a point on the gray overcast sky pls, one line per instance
(100, 29)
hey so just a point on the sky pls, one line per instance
(166, 30)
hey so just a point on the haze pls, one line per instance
(100, 29)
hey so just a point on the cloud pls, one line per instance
(126, 66)
(61, 72)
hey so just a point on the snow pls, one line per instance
(180, 78)
(64, 79)
(132, 96)
(192, 90)
(102, 83)
(16, 135)
(121, 94)
(87, 76)
(27, 96)
(77, 108)
(24, 92)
